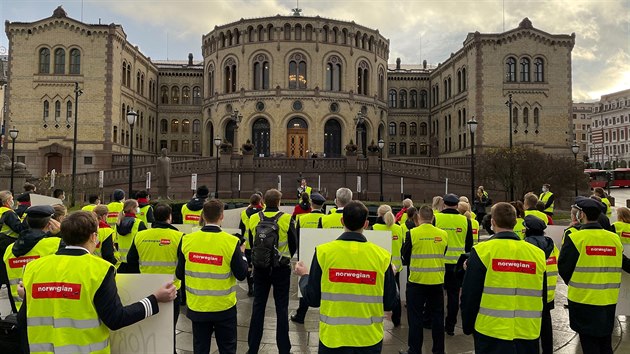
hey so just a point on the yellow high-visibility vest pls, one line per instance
(310, 220)
(157, 251)
(552, 274)
(142, 215)
(5, 228)
(544, 197)
(456, 226)
(283, 223)
(428, 244)
(125, 241)
(113, 209)
(191, 216)
(519, 228)
(332, 221)
(623, 230)
(398, 238)
(539, 214)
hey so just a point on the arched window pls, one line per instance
(413, 129)
(332, 138)
(525, 70)
(57, 111)
(186, 126)
(115, 135)
(129, 75)
(536, 117)
(138, 81)
(526, 116)
(270, 32)
(261, 136)
(46, 112)
(174, 126)
(392, 148)
(141, 90)
(261, 72)
(413, 99)
(510, 69)
(392, 129)
(287, 32)
(261, 33)
(393, 99)
(344, 36)
(459, 81)
(381, 84)
(325, 34)
(185, 95)
(403, 129)
(196, 126)
(403, 98)
(230, 75)
(44, 61)
(175, 95)
(423, 99)
(335, 34)
(164, 94)
(298, 32)
(229, 131)
(211, 80)
(174, 146)
(363, 78)
(333, 73)
(423, 129)
(185, 146)
(297, 122)
(68, 112)
(60, 61)
(464, 79)
(297, 71)
(163, 126)
(413, 149)
(250, 34)
(196, 146)
(403, 149)
(539, 72)
(515, 116)
(237, 36)
(309, 32)
(196, 95)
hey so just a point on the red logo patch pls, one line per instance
(352, 276)
(395, 237)
(552, 260)
(56, 291)
(190, 217)
(112, 215)
(601, 251)
(437, 239)
(204, 258)
(625, 234)
(20, 262)
(459, 229)
(513, 266)
(165, 242)
(475, 231)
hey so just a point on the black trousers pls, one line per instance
(419, 295)
(176, 304)
(264, 279)
(224, 331)
(596, 345)
(374, 349)
(546, 330)
(489, 345)
(302, 309)
(452, 286)
(397, 310)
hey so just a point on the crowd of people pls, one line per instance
(61, 270)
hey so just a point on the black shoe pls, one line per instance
(566, 306)
(427, 325)
(250, 292)
(449, 330)
(296, 319)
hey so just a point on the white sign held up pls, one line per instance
(193, 182)
(101, 178)
(148, 184)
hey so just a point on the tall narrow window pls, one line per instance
(60, 61)
(403, 98)
(175, 126)
(381, 84)
(403, 149)
(423, 99)
(196, 95)
(287, 32)
(44, 61)
(423, 129)
(57, 111)
(393, 99)
(163, 126)
(175, 95)
(525, 70)
(515, 116)
(363, 78)
(510, 69)
(196, 146)
(164, 94)
(526, 116)
(185, 146)
(298, 32)
(174, 145)
(413, 129)
(124, 74)
(539, 70)
(333, 73)
(46, 112)
(459, 81)
(115, 134)
(403, 129)
(413, 149)
(261, 72)
(536, 117)
(68, 112)
(196, 126)
(413, 99)
(129, 75)
(211, 80)
(464, 83)
(186, 126)
(138, 82)
(186, 95)
(392, 129)
(261, 137)
(230, 75)
(297, 72)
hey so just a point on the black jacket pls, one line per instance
(11, 219)
(28, 239)
(311, 284)
(196, 204)
(593, 320)
(249, 212)
(472, 288)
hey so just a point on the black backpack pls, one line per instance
(265, 252)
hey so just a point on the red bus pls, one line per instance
(597, 178)
(621, 177)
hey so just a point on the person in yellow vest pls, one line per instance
(535, 234)
(504, 289)
(77, 292)
(590, 264)
(126, 229)
(547, 198)
(146, 210)
(11, 226)
(530, 201)
(622, 226)
(106, 236)
(255, 206)
(32, 244)
(24, 202)
(423, 251)
(307, 221)
(94, 200)
(191, 211)
(352, 281)
(409, 224)
(464, 209)
(210, 263)
(277, 274)
(115, 207)
(343, 196)
(599, 192)
(303, 188)
(460, 241)
(386, 221)
(154, 251)
(401, 216)
(520, 228)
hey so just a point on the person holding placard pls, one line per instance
(346, 277)
(77, 292)
(333, 220)
(209, 262)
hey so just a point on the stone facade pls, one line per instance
(609, 143)
(581, 117)
(299, 86)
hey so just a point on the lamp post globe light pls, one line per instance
(217, 143)
(472, 125)
(13, 133)
(131, 119)
(381, 145)
(575, 148)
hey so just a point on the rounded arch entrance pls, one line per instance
(208, 145)
(332, 138)
(261, 134)
(297, 137)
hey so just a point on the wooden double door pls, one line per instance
(297, 142)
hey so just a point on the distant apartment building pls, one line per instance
(609, 142)
(581, 118)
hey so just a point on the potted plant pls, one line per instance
(351, 149)
(247, 148)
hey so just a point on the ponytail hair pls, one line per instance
(129, 207)
(385, 211)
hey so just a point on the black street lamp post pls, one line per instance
(358, 121)
(509, 104)
(217, 143)
(13, 133)
(472, 125)
(131, 119)
(575, 148)
(381, 145)
(77, 92)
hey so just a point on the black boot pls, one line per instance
(250, 285)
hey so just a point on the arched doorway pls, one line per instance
(261, 136)
(210, 137)
(229, 131)
(332, 138)
(54, 161)
(297, 137)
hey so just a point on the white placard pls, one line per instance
(38, 199)
(193, 181)
(101, 178)
(53, 174)
(358, 184)
(402, 186)
(446, 186)
(153, 334)
(280, 183)
(148, 184)
(239, 182)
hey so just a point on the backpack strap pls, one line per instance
(277, 216)
(274, 218)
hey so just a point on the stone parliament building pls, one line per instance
(293, 85)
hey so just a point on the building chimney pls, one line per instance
(397, 63)
(424, 64)
(190, 58)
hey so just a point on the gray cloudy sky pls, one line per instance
(417, 29)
